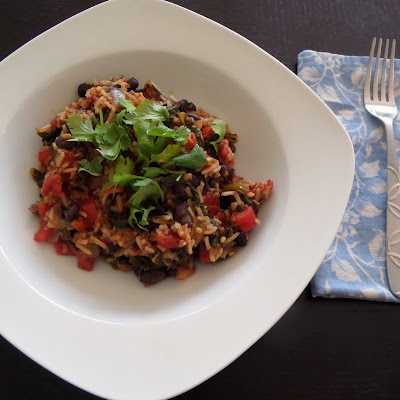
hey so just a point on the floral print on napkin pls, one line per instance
(355, 265)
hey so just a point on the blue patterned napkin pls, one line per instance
(355, 265)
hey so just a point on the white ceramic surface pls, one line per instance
(103, 331)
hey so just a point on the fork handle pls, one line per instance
(392, 211)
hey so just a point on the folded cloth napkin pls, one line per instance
(355, 265)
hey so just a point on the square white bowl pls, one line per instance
(103, 331)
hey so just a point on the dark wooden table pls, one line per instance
(320, 349)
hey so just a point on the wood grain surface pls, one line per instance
(320, 349)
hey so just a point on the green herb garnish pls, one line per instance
(193, 160)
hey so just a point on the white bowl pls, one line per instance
(103, 331)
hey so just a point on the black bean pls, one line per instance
(241, 240)
(194, 116)
(223, 171)
(136, 263)
(82, 88)
(40, 182)
(112, 247)
(179, 191)
(133, 83)
(225, 201)
(183, 104)
(180, 210)
(65, 144)
(191, 107)
(117, 86)
(213, 182)
(186, 219)
(231, 174)
(119, 219)
(232, 146)
(206, 188)
(51, 134)
(152, 276)
(71, 212)
(195, 180)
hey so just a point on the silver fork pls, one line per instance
(382, 106)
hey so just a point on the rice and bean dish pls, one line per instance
(143, 180)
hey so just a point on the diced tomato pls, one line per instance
(220, 215)
(204, 254)
(168, 241)
(192, 141)
(89, 207)
(84, 262)
(225, 154)
(42, 208)
(207, 131)
(89, 101)
(114, 189)
(69, 157)
(53, 123)
(245, 220)
(79, 225)
(44, 233)
(147, 95)
(211, 200)
(64, 248)
(52, 183)
(44, 156)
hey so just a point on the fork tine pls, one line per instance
(377, 59)
(367, 83)
(391, 73)
(383, 80)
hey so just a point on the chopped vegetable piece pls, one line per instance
(207, 131)
(64, 248)
(193, 160)
(44, 233)
(167, 241)
(52, 183)
(89, 207)
(204, 254)
(42, 209)
(245, 220)
(84, 263)
(44, 156)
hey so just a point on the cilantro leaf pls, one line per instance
(140, 158)
(170, 151)
(127, 104)
(151, 191)
(81, 129)
(219, 127)
(143, 215)
(93, 167)
(147, 110)
(193, 160)
(179, 135)
(110, 152)
(154, 172)
(119, 118)
(124, 165)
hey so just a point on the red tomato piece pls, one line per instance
(220, 215)
(225, 154)
(89, 207)
(211, 200)
(192, 141)
(79, 224)
(52, 183)
(44, 233)
(168, 241)
(84, 263)
(114, 189)
(245, 220)
(44, 156)
(42, 208)
(207, 131)
(64, 248)
(204, 254)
